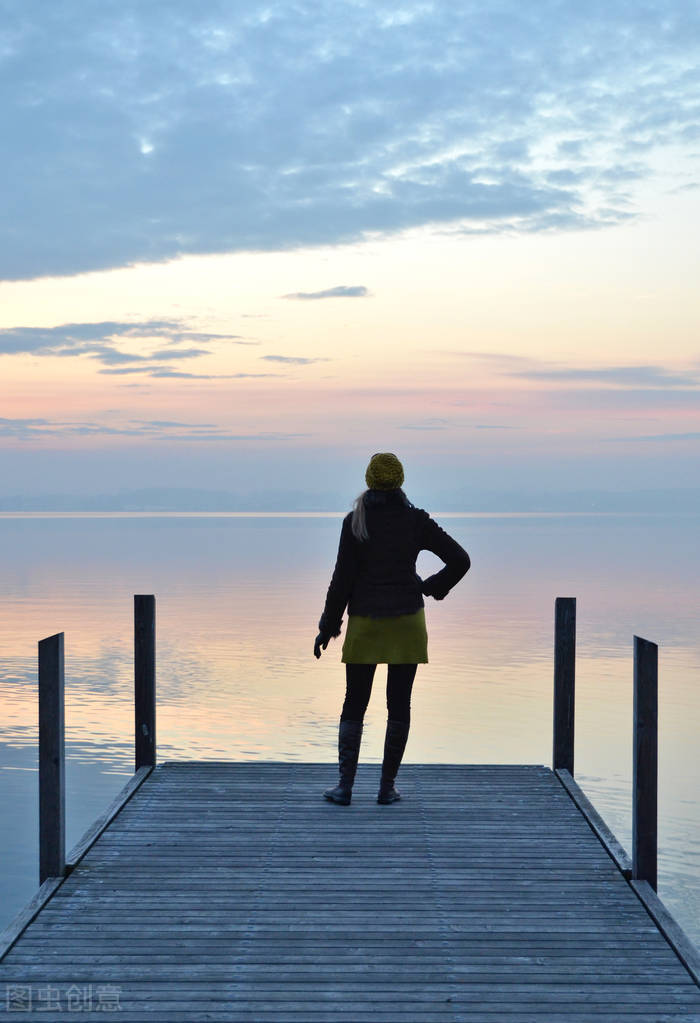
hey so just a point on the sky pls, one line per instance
(244, 246)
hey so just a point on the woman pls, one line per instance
(375, 576)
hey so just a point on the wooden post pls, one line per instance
(145, 680)
(564, 682)
(52, 774)
(645, 765)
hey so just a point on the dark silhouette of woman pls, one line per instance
(375, 577)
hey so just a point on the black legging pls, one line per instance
(399, 682)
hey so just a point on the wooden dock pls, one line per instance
(234, 892)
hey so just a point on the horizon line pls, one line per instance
(48, 514)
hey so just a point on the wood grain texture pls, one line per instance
(685, 949)
(234, 891)
(613, 848)
(105, 819)
(25, 916)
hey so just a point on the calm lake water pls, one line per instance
(238, 599)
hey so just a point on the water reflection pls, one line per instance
(238, 601)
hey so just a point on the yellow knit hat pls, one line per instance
(384, 472)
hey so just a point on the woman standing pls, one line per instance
(375, 577)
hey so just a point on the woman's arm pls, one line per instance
(457, 562)
(341, 582)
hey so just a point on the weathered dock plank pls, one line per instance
(233, 891)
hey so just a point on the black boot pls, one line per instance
(394, 746)
(349, 738)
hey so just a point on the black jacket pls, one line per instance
(377, 576)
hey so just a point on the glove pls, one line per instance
(426, 589)
(322, 640)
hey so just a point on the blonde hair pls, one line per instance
(359, 522)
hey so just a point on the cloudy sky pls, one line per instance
(243, 246)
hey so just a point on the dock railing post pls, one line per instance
(145, 680)
(52, 773)
(645, 761)
(564, 682)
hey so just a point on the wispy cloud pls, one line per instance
(92, 338)
(419, 426)
(264, 437)
(294, 360)
(616, 376)
(432, 423)
(15, 426)
(153, 429)
(437, 423)
(27, 429)
(109, 356)
(499, 360)
(342, 291)
(99, 341)
(178, 353)
(529, 368)
(617, 400)
(160, 424)
(692, 435)
(168, 371)
(156, 131)
(176, 337)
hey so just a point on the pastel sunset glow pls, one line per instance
(246, 246)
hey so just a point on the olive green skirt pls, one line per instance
(400, 639)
